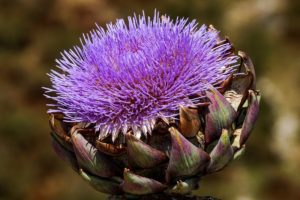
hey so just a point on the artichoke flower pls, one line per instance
(151, 105)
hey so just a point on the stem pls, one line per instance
(162, 197)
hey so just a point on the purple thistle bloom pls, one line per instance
(129, 75)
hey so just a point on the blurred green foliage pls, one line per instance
(34, 32)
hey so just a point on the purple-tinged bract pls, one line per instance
(127, 76)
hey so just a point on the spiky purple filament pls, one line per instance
(128, 76)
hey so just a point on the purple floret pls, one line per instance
(127, 76)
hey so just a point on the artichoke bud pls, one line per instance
(152, 106)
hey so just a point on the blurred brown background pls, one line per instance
(32, 34)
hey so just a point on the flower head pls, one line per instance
(127, 76)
